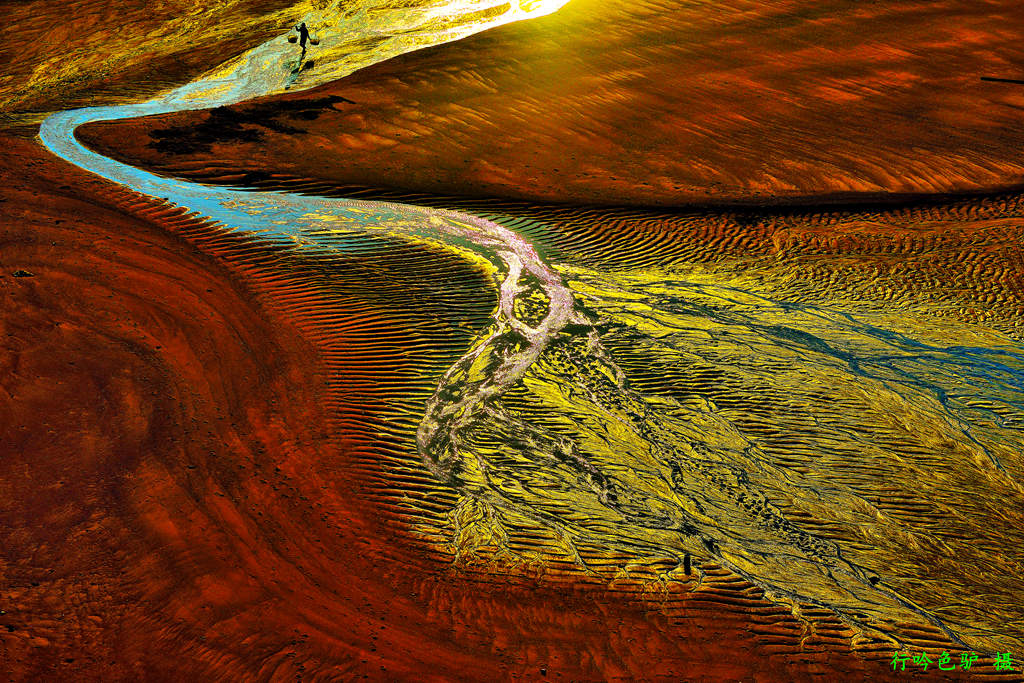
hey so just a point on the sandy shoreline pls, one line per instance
(190, 511)
(210, 425)
(639, 104)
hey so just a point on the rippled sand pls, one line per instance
(87, 52)
(658, 103)
(792, 432)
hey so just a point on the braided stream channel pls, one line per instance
(624, 416)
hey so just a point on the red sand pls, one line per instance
(617, 101)
(187, 496)
(173, 505)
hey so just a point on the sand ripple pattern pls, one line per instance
(633, 409)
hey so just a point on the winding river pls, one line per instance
(709, 497)
(272, 67)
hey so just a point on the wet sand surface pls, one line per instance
(83, 53)
(255, 504)
(646, 103)
(201, 430)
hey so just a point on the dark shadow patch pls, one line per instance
(226, 125)
(991, 79)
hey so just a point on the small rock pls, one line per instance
(22, 273)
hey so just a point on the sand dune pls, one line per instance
(212, 436)
(84, 52)
(245, 500)
(648, 103)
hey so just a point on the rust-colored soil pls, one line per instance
(646, 103)
(191, 488)
(210, 467)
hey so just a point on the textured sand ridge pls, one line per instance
(253, 524)
(793, 433)
(648, 103)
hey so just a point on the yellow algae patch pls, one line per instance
(326, 217)
(810, 452)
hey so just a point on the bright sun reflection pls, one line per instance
(366, 33)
